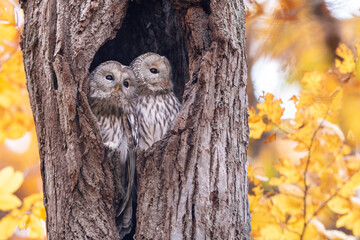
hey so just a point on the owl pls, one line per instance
(112, 97)
(157, 105)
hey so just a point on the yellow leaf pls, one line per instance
(356, 229)
(5, 102)
(291, 189)
(288, 204)
(5, 175)
(357, 48)
(8, 202)
(357, 69)
(349, 116)
(270, 138)
(317, 110)
(357, 64)
(351, 220)
(337, 101)
(276, 232)
(347, 221)
(352, 162)
(312, 81)
(15, 111)
(294, 98)
(36, 228)
(22, 221)
(15, 130)
(349, 188)
(347, 65)
(271, 109)
(9, 41)
(305, 100)
(257, 129)
(10, 180)
(256, 125)
(7, 226)
(289, 173)
(312, 232)
(339, 205)
(14, 69)
(272, 232)
(14, 183)
(7, 11)
(261, 215)
(31, 200)
(277, 181)
(39, 211)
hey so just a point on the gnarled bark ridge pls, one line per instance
(193, 183)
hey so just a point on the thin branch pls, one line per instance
(288, 133)
(306, 187)
(331, 196)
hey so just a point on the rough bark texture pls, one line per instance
(59, 40)
(192, 184)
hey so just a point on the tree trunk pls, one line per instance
(193, 183)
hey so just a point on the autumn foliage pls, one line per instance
(320, 186)
(19, 210)
(22, 214)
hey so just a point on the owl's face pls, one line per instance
(113, 84)
(153, 72)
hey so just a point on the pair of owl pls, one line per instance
(134, 106)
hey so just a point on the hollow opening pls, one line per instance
(149, 26)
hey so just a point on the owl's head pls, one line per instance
(153, 72)
(113, 84)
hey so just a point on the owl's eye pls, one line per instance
(126, 83)
(153, 70)
(109, 77)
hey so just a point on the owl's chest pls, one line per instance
(153, 111)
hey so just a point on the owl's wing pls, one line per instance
(133, 122)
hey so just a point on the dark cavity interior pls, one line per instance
(149, 26)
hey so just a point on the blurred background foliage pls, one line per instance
(292, 53)
(303, 87)
(21, 209)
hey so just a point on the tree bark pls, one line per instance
(193, 183)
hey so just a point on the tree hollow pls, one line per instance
(149, 26)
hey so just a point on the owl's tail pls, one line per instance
(125, 224)
(125, 214)
(131, 179)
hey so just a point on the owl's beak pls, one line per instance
(166, 82)
(117, 88)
